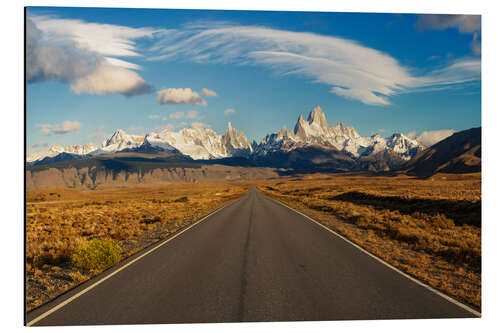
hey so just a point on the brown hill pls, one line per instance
(459, 153)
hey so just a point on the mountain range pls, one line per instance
(312, 143)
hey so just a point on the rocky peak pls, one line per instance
(299, 129)
(317, 116)
(116, 137)
(283, 132)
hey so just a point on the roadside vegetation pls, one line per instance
(429, 228)
(73, 235)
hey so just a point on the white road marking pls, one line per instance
(72, 298)
(435, 291)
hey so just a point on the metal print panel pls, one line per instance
(205, 166)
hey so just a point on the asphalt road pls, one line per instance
(254, 260)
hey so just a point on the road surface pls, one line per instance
(254, 260)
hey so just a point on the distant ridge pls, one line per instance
(459, 153)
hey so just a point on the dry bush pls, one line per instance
(97, 254)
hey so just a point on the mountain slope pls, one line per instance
(316, 132)
(459, 153)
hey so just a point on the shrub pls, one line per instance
(97, 254)
(153, 220)
(182, 199)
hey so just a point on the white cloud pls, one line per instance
(52, 54)
(111, 80)
(351, 69)
(198, 124)
(476, 44)
(122, 63)
(208, 93)
(412, 134)
(55, 61)
(105, 39)
(177, 115)
(40, 144)
(179, 96)
(154, 116)
(464, 23)
(428, 138)
(59, 129)
(164, 118)
(229, 111)
(44, 128)
(66, 127)
(191, 114)
(458, 72)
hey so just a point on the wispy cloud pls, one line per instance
(179, 96)
(87, 56)
(40, 144)
(208, 93)
(464, 23)
(154, 116)
(352, 70)
(476, 44)
(198, 124)
(229, 111)
(191, 114)
(59, 129)
(105, 39)
(177, 115)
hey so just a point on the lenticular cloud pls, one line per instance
(352, 70)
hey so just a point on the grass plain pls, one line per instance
(62, 222)
(429, 228)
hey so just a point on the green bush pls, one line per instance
(97, 254)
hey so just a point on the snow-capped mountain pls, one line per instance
(57, 149)
(236, 143)
(119, 141)
(204, 143)
(315, 131)
(197, 143)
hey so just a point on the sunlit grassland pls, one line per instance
(59, 222)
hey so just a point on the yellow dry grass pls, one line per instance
(58, 221)
(429, 228)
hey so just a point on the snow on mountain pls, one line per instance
(236, 143)
(204, 143)
(315, 131)
(57, 149)
(120, 141)
(198, 143)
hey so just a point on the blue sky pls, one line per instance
(91, 71)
